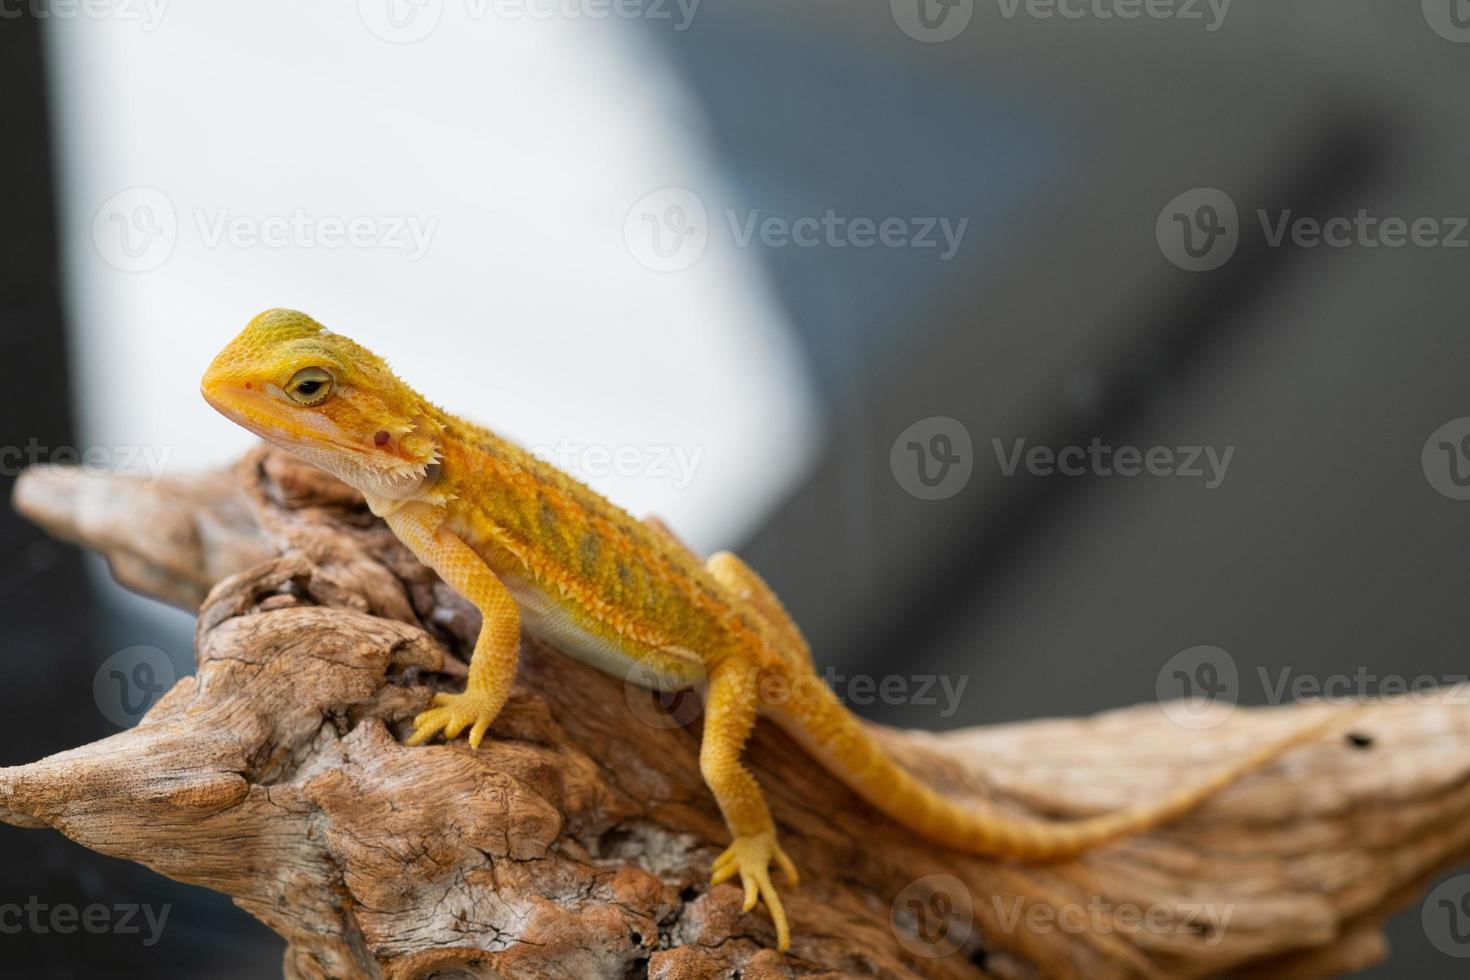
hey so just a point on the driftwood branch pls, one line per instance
(577, 841)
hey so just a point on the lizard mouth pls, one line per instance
(265, 415)
(243, 407)
(269, 417)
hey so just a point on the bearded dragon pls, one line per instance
(531, 547)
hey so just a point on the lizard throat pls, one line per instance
(400, 483)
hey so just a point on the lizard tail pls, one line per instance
(836, 739)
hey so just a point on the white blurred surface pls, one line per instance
(521, 143)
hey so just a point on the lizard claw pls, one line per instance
(452, 714)
(751, 858)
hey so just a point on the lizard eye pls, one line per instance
(309, 386)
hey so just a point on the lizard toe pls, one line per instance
(751, 857)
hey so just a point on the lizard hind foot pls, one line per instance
(452, 714)
(750, 857)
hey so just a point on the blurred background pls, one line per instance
(811, 281)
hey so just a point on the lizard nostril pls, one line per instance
(381, 439)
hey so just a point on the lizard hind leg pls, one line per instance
(730, 712)
(750, 592)
(746, 589)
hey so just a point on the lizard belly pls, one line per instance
(665, 668)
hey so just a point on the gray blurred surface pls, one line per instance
(1325, 551)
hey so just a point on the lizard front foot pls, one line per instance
(453, 713)
(751, 856)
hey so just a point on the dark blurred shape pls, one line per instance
(54, 629)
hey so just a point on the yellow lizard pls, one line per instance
(528, 545)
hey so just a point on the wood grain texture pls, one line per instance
(576, 842)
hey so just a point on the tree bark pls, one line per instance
(577, 841)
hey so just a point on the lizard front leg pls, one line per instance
(729, 715)
(493, 665)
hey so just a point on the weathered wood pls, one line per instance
(577, 841)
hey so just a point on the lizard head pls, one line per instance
(328, 400)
